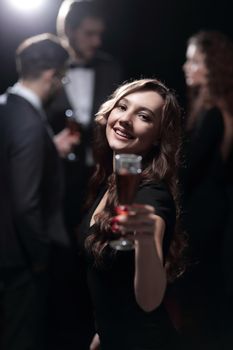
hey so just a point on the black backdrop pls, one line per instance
(147, 36)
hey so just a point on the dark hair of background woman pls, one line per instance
(217, 49)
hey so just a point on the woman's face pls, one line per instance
(194, 68)
(133, 124)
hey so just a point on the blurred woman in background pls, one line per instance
(207, 185)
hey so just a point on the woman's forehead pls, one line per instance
(144, 98)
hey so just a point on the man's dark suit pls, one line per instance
(10, 251)
(32, 185)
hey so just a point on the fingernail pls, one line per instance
(114, 228)
(122, 209)
(114, 220)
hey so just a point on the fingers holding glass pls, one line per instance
(138, 224)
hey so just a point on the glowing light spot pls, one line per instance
(26, 5)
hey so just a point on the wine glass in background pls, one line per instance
(127, 168)
(74, 128)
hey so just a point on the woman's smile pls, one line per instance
(122, 133)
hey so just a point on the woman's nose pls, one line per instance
(126, 117)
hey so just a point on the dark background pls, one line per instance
(148, 36)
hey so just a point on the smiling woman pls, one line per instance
(141, 117)
(26, 5)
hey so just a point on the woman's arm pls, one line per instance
(150, 274)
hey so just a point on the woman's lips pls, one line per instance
(123, 133)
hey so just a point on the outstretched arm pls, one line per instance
(150, 275)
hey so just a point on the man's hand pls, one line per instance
(65, 140)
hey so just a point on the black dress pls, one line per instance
(206, 209)
(121, 323)
(204, 187)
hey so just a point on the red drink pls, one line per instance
(126, 187)
(127, 169)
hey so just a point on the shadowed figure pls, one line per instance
(207, 191)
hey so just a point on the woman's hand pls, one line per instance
(95, 343)
(137, 221)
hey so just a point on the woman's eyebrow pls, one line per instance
(123, 99)
(143, 108)
(148, 110)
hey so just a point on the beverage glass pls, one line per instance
(127, 168)
(74, 128)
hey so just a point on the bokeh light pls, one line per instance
(26, 5)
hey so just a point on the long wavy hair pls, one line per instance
(161, 163)
(217, 50)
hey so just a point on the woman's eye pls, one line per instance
(145, 117)
(121, 107)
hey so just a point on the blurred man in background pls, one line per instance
(31, 184)
(92, 76)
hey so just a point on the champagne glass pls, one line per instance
(128, 169)
(74, 128)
